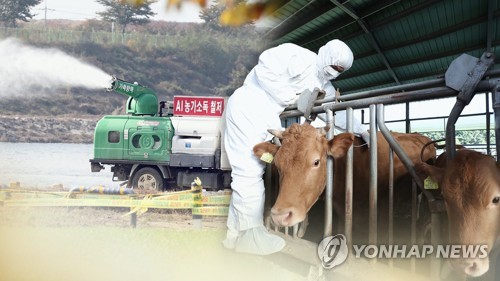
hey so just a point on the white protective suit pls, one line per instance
(273, 84)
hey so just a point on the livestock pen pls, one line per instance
(403, 53)
(477, 79)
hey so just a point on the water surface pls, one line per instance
(47, 164)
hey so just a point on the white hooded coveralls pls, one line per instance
(273, 84)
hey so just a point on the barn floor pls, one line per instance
(98, 244)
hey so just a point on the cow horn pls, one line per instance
(276, 141)
(276, 133)
(324, 130)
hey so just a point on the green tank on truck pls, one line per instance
(133, 138)
(138, 146)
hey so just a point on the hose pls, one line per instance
(103, 190)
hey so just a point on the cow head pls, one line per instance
(301, 162)
(470, 185)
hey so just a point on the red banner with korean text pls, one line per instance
(198, 106)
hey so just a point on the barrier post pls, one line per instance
(133, 219)
(197, 188)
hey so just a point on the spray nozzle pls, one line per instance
(112, 84)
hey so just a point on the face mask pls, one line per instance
(330, 73)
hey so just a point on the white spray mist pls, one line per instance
(24, 67)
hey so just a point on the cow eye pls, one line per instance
(316, 162)
(496, 200)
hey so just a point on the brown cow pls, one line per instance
(470, 186)
(301, 162)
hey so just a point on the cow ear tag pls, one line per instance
(430, 184)
(267, 157)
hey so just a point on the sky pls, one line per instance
(86, 9)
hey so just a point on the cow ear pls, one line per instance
(340, 144)
(265, 147)
(425, 170)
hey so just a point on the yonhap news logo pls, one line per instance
(420, 251)
(333, 251)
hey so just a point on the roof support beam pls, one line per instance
(434, 35)
(365, 13)
(280, 35)
(299, 18)
(402, 63)
(372, 38)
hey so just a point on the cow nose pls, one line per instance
(476, 267)
(282, 217)
(472, 267)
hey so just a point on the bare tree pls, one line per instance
(125, 13)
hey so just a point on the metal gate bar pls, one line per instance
(413, 220)
(496, 109)
(349, 182)
(372, 227)
(391, 201)
(329, 179)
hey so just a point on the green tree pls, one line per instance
(211, 14)
(125, 13)
(13, 10)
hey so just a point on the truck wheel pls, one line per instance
(148, 179)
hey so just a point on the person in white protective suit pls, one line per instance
(282, 73)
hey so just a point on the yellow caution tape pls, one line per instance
(99, 196)
(197, 181)
(188, 199)
(172, 193)
(129, 203)
(181, 197)
(216, 200)
(139, 210)
(211, 211)
(178, 195)
(207, 200)
(137, 206)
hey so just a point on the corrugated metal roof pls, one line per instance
(394, 42)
